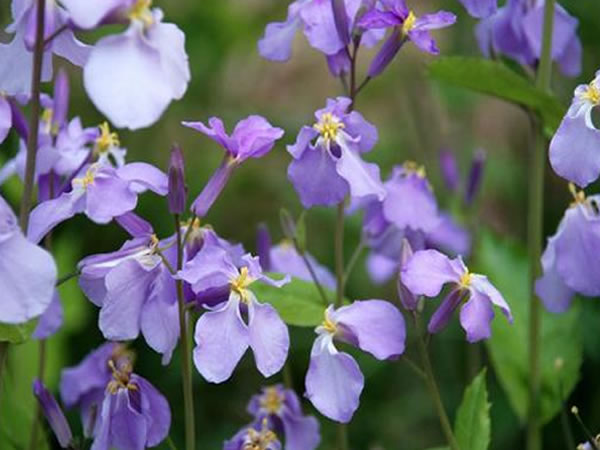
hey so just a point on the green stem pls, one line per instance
(342, 437)
(66, 278)
(34, 121)
(313, 275)
(186, 354)
(534, 238)
(433, 387)
(353, 260)
(339, 255)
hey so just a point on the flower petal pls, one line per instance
(476, 316)
(155, 409)
(427, 272)
(362, 177)
(550, 288)
(269, 338)
(50, 213)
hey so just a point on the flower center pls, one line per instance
(591, 94)
(87, 179)
(329, 126)
(47, 116)
(271, 401)
(106, 140)
(121, 377)
(465, 280)
(578, 196)
(329, 325)
(259, 440)
(409, 23)
(411, 167)
(141, 11)
(240, 284)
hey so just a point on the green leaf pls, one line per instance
(496, 79)
(473, 426)
(16, 334)
(298, 302)
(561, 336)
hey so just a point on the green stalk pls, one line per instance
(186, 354)
(433, 388)
(339, 255)
(534, 238)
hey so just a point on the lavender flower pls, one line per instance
(334, 380)
(27, 272)
(323, 173)
(254, 438)
(406, 26)
(51, 320)
(281, 409)
(572, 255)
(135, 292)
(426, 273)
(54, 415)
(5, 117)
(148, 63)
(252, 137)
(101, 192)
(515, 30)
(573, 149)
(323, 31)
(480, 8)
(222, 336)
(17, 60)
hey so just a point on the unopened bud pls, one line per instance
(177, 189)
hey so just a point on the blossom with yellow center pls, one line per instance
(413, 167)
(259, 440)
(329, 126)
(107, 139)
(328, 324)
(141, 11)
(121, 377)
(409, 23)
(87, 179)
(240, 284)
(271, 401)
(591, 94)
(465, 280)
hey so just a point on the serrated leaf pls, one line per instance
(298, 302)
(473, 426)
(496, 79)
(561, 334)
(17, 334)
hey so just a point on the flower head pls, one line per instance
(334, 381)
(325, 171)
(254, 437)
(427, 272)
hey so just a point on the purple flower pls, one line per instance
(334, 380)
(515, 30)
(101, 192)
(27, 272)
(427, 272)
(222, 335)
(449, 168)
(323, 173)
(480, 8)
(148, 63)
(83, 386)
(5, 117)
(281, 409)
(252, 137)
(17, 58)
(406, 26)
(573, 149)
(54, 415)
(323, 31)
(258, 437)
(571, 257)
(449, 237)
(135, 292)
(51, 320)
(133, 415)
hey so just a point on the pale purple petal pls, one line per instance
(88, 15)
(285, 259)
(375, 326)
(159, 320)
(222, 338)
(214, 130)
(424, 41)
(128, 427)
(379, 19)
(357, 126)
(319, 26)
(381, 268)
(51, 320)
(434, 21)
(427, 272)
(5, 118)
(107, 197)
(363, 178)
(481, 284)
(269, 338)
(210, 268)
(334, 381)
(156, 411)
(255, 137)
(276, 44)
(305, 136)
(550, 288)
(145, 175)
(69, 47)
(301, 432)
(480, 8)
(476, 316)
(574, 151)
(449, 237)
(48, 214)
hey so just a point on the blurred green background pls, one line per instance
(416, 118)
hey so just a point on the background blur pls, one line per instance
(416, 118)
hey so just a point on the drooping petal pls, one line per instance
(334, 381)
(375, 326)
(305, 136)
(269, 338)
(476, 316)
(550, 288)
(424, 41)
(427, 272)
(155, 409)
(301, 432)
(72, 49)
(51, 320)
(160, 317)
(319, 26)
(276, 44)
(128, 427)
(255, 137)
(316, 180)
(50, 213)
(108, 197)
(127, 289)
(5, 118)
(145, 175)
(363, 178)
(434, 21)
(356, 125)
(483, 286)
(222, 338)
(214, 130)
(574, 151)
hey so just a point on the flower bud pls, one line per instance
(443, 314)
(449, 169)
(177, 190)
(134, 225)
(61, 99)
(213, 188)
(475, 176)
(54, 415)
(386, 53)
(19, 122)
(263, 247)
(340, 17)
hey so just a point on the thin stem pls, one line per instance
(342, 437)
(353, 260)
(186, 362)
(3, 358)
(414, 366)
(362, 85)
(433, 387)
(170, 443)
(288, 379)
(339, 255)
(67, 277)
(534, 238)
(313, 275)
(58, 31)
(34, 121)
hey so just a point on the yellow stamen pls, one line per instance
(591, 94)
(240, 284)
(271, 400)
(465, 280)
(87, 179)
(414, 168)
(328, 324)
(121, 377)
(47, 118)
(106, 140)
(328, 126)
(409, 23)
(141, 11)
(259, 440)
(578, 196)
